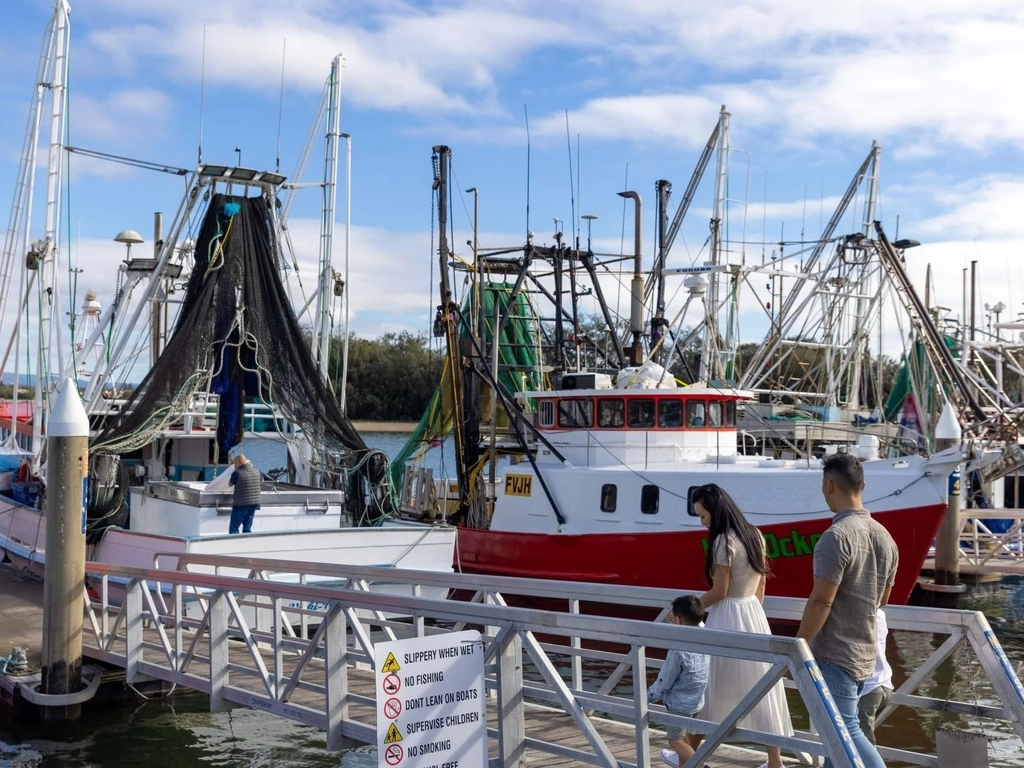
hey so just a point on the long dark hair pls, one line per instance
(725, 517)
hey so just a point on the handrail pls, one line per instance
(582, 598)
(960, 626)
(509, 633)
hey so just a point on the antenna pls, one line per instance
(803, 217)
(572, 192)
(202, 96)
(578, 199)
(526, 116)
(764, 223)
(622, 236)
(280, 110)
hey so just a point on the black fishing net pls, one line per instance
(237, 336)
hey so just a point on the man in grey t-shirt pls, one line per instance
(854, 570)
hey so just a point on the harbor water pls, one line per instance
(181, 732)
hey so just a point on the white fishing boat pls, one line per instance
(232, 363)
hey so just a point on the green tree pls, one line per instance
(390, 378)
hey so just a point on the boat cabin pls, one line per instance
(596, 427)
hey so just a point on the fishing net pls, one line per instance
(518, 367)
(237, 337)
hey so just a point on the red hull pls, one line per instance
(676, 560)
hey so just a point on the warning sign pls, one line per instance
(392, 735)
(392, 684)
(440, 717)
(392, 709)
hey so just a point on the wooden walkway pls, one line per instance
(21, 624)
(542, 722)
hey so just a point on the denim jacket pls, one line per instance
(681, 682)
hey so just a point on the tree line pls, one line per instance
(390, 378)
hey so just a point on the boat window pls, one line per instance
(689, 500)
(611, 413)
(546, 413)
(670, 414)
(577, 412)
(609, 497)
(641, 414)
(695, 413)
(730, 414)
(649, 499)
(715, 413)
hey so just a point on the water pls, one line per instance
(176, 733)
(181, 732)
(267, 454)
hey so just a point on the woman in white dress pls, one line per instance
(736, 567)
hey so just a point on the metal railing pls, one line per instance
(279, 663)
(985, 551)
(954, 626)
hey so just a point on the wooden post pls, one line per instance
(64, 571)
(947, 541)
(511, 710)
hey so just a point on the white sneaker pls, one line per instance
(670, 757)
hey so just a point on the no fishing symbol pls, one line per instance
(392, 709)
(391, 685)
(393, 755)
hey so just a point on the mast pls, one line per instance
(636, 307)
(860, 320)
(663, 189)
(348, 252)
(710, 356)
(324, 319)
(446, 324)
(37, 260)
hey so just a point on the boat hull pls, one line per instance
(675, 559)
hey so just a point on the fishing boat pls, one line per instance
(607, 497)
(232, 362)
(587, 475)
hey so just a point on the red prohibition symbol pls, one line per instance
(393, 754)
(392, 684)
(392, 709)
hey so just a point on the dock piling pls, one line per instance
(947, 540)
(64, 575)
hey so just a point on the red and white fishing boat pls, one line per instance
(606, 498)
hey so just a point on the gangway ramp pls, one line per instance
(244, 649)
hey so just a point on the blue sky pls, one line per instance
(809, 85)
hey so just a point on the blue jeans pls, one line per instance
(846, 693)
(242, 516)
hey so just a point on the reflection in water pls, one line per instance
(178, 733)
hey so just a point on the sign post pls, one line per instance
(431, 702)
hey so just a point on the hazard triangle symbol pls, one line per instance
(392, 735)
(390, 664)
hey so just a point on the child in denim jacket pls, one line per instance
(682, 681)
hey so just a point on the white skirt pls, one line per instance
(729, 680)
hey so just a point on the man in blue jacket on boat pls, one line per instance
(247, 482)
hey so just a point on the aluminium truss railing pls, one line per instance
(194, 652)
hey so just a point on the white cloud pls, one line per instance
(397, 57)
(120, 117)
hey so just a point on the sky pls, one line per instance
(615, 95)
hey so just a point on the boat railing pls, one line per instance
(150, 634)
(201, 415)
(965, 638)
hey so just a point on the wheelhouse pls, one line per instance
(677, 410)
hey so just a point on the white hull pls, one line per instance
(393, 545)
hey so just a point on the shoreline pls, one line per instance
(392, 427)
